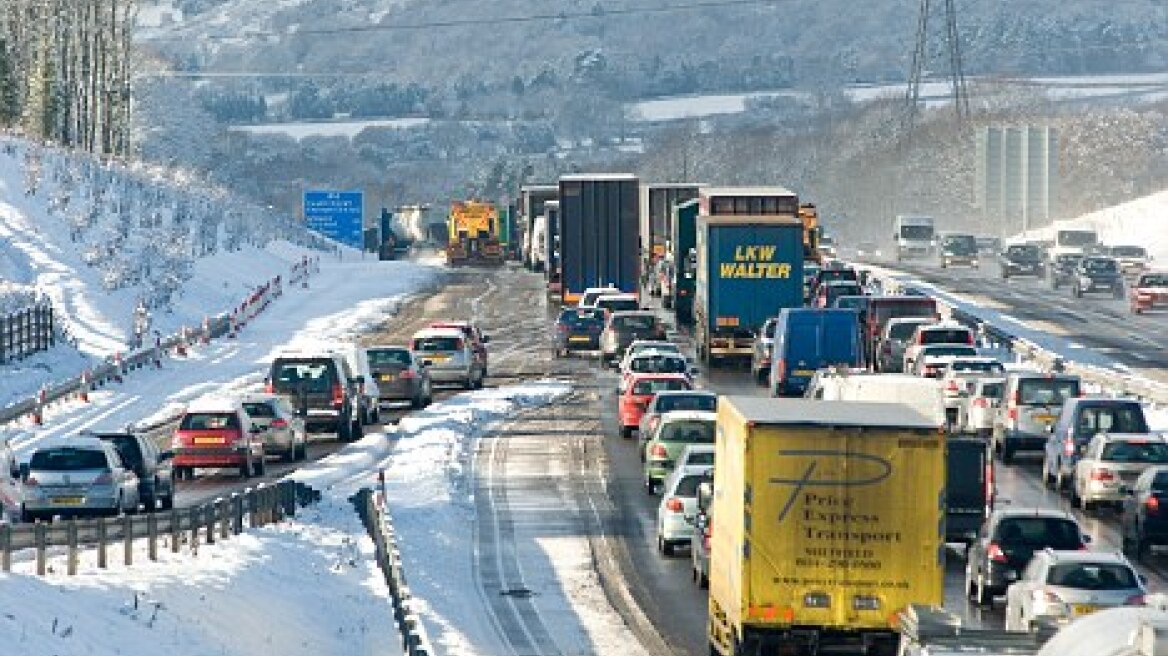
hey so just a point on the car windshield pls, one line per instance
(1039, 532)
(688, 486)
(383, 356)
(959, 245)
(1093, 576)
(693, 431)
(1047, 391)
(68, 459)
(992, 390)
(581, 317)
(1068, 260)
(313, 376)
(1076, 238)
(946, 336)
(1126, 418)
(1153, 451)
(259, 409)
(618, 304)
(700, 458)
(850, 302)
(672, 402)
(655, 364)
(916, 232)
(1024, 252)
(944, 350)
(1096, 265)
(978, 366)
(1128, 251)
(1160, 482)
(209, 421)
(1156, 280)
(634, 322)
(652, 386)
(844, 290)
(433, 344)
(902, 330)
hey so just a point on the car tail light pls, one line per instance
(1012, 414)
(279, 423)
(674, 505)
(994, 551)
(338, 395)
(969, 338)
(951, 386)
(105, 478)
(1152, 505)
(1069, 447)
(1102, 475)
(659, 451)
(408, 373)
(989, 485)
(706, 536)
(269, 387)
(980, 402)
(780, 369)
(1135, 600)
(1048, 596)
(31, 481)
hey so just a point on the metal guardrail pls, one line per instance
(370, 507)
(218, 519)
(1111, 381)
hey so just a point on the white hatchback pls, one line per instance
(679, 506)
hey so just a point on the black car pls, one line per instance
(578, 329)
(1006, 543)
(1097, 273)
(1144, 521)
(958, 250)
(1022, 260)
(325, 389)
(151, 465)
(1062, 269)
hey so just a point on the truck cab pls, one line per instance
(914, 237)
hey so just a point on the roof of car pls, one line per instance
(686, 393)
(633, 313)
(439, 332)
(214, 404)
(621, 296)
(1032, 511)
(654, 343)
(75, 441)
(1083, 556)
(974, 358)
(654, 376)
(259, 397)
(1129, 437)
(386, 347)
(688, 415)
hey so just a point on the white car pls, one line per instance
(941, 332)
(588, 299)
(696, 455)
(679, 505)
(641, 345)
(650, 361)
(283, 431)
(985, 395)
(617, 302)
(957, 381)
(932, 359)
(1060, 586)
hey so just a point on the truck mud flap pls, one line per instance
(817, 641)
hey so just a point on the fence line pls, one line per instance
(27, 331)
(204, 523)
(371, 508)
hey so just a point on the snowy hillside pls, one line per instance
(1141, 222)
(99, 240)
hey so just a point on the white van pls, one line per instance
(539, 243)
(923, 394)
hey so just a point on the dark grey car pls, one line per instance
(1007, 541)
(1080, 419)
(894, 340)
(323, 385)
(400, 375)
(152, 465)
(1098, 274)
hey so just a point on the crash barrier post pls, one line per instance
(199, 522)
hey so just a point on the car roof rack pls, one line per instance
(929, 626)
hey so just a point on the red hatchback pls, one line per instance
(639, 391)
(1150, 290)
(217, 433)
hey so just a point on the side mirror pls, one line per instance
(23, 470)
(166, 455)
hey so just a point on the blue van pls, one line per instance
(807, 339)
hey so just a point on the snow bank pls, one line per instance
(1141, 222)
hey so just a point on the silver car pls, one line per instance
(77, 477)
(281, 430)
(893, 341)
(1113, 462)
(448, 357)
(400, 376)
(1060, 586)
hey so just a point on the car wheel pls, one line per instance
(1075, 500)
(418, 402)
(149, 504)
(627, 432)
(246, 469)
(479, 381)
(375, 416)
(468, 383)
(344, 431)
(261, 467)
(1047, 477)
(664, 546)
(703, 580)
(303, 449)
(167, 502)
(650, 486)
(1007, 454)
(357, 432)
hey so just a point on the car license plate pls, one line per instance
(1083, 609)
(67, 501)
(386, 377)
(579, 339)
(208, 440)
(1046, 419)
(803, 372)
(439, 358)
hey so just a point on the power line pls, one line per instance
(598, 11)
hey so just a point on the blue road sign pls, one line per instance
(336, 214)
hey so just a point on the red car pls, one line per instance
(639, 392)
(1149, 290)
(217, 433)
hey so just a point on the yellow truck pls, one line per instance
(809, 215)
(474, 234)
(827, 521)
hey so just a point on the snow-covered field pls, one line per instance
(1141, 222)
(347, 129)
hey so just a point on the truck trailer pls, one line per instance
(599, 223)
(827, 520)
(683, 260)
(748, 269)
(657, 203)
(531, 200)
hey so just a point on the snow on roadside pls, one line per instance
(1141, 222)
